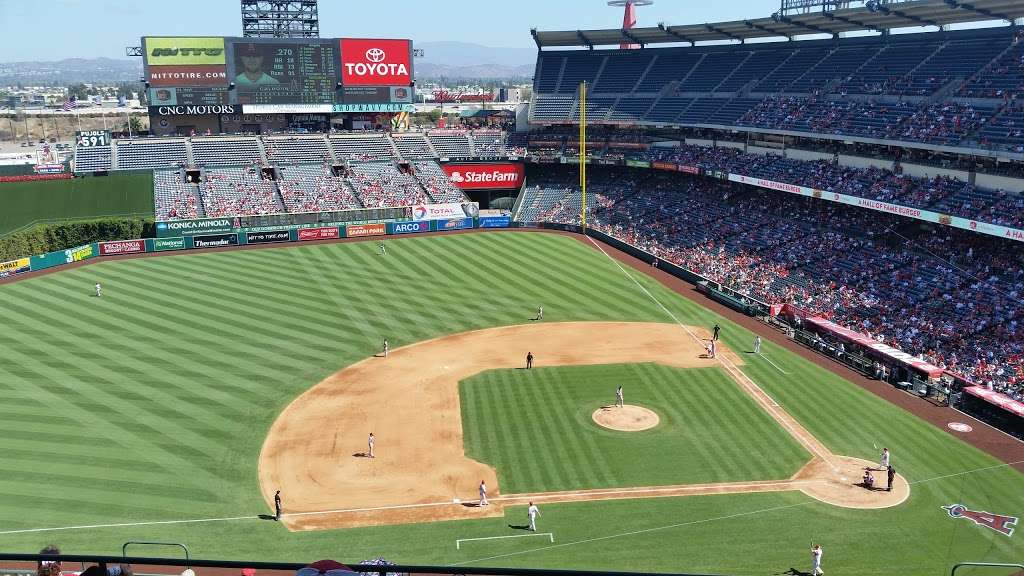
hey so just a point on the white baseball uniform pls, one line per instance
(99, 290)
(483, 495)
(618, 396)
(533, 512)
(714, 348)
(386, 348)
(370, 443)
(540, 313)
(757, 344)
(816, 562)
(884, 462)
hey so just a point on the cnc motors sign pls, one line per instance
(192, 110)
(376, 62)
(480, 176)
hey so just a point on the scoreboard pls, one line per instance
(276, 72)
(91, 138)
(279, 74)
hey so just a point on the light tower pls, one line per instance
(629, 16)
(280, 19)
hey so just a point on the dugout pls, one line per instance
(994, 408)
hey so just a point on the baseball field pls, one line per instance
(171, 408)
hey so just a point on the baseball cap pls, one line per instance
(250, 50)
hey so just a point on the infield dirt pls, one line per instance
(315, 452)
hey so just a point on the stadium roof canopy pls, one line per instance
(877, 17)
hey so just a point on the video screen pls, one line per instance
(276, 72)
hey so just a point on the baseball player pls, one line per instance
(533, 512)
(383, 249)
(757, 344)
(890, 476)
(370, 442)
(816, 561)
(717, 328)
(277, 505)
(483, 494)
(540, 312)
(529, 360)
(883, 463)
(618, 396)
(99, 290)
(714, 347)
(386, 347)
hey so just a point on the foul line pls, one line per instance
(761, 355)
(965, 472)
(458, 543)
(128, 524)
(772, 405)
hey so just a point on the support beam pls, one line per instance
(718, 30)
(864, 25)
(675, 34)
(632, 38)
(814, 29)
(583, 38)
(766, 29)
(985, 12)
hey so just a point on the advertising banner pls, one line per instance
(444, 211)
(181, 51)
(360, 230)
(390, 107)
(909, 212)
(14, 267)
(410, 227)
(266, 237)
(638, 163)
(207, 75)
(175, 98)
(319, 233)
(286, 108)
(161, 244)
(122, 247)
(455, 224)
(189, 227)
(80, 253)
(664, 166)
(373, 62)
(483, 176)
(214, 241)
(883, 349)
(689, 169)
(495, 222)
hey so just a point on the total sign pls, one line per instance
(479, 176)
(366, 62)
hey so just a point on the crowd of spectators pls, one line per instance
(948, 296)
(313, 188)
(238, 191)
(382, 185)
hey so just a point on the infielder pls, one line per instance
(883, 463)
(618, 397)
(713, 348)
(540, 313)
(529, 360)
(483, 495)
(717, 329)
(816, 561)
(99, 290)
(370, 442)
(277, 505)
(386, 347)
(757, 344)
(533, 512)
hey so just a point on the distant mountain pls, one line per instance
(71, 71)
(428, 71)
(459, 54)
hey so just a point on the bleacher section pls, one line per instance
(362, 147)
(878, 87)
(436, 183)
(412, 146)
(297, 149)
(173, 199)
(225, 151)
(143, 154)
(450, 144)
(92, 159)
(382, 185)
(312, 188)
(489, 144)
(233, 191)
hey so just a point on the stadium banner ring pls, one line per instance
(454, 224)
(78, 254)
(410, 227)
(161, 244)
(319, 233)
(12, 267)
(267, 237)
(214, 241)
(122, 247)
(361, 230)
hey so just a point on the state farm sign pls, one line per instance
(376, 62)
(478, 176)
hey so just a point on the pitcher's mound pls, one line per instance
(629, 418)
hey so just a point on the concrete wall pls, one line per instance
(699, 142)
(727, 144)
(922, 171)
(862, 162)
(764, 151)
(798, 154)
(1000, 182)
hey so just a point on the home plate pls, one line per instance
(843, 478)
(456, 500)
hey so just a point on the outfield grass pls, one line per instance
(535, 428)
(151, 404)
(79, 199)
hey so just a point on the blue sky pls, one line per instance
(56, 29)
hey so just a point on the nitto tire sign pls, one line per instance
(410, 227)
(266, 237)
(484, 176)
(122, 247)
(215, 241)
(366, 62)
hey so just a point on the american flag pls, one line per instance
(70, 103)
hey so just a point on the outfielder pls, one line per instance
(883, 463)
(816, 561)
(540, 313)
(483, 494)
(383, 249)
(386, 347)
(99, 290)
(370, 442)
(533, 512)
(757, 344)
(618, 397)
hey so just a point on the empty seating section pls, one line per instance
(362, 147)
(234, 191)
(313, 188)
(297, 149)
(875, 87)
(383, 185)
(622, 73)
(436, 183)
(712, 70)
(450, 144)
(225, 151)
(669, 65)
(143, 154)
(540, 203)
(413, 146)
(173, 199)
(92, 159)
(489, 143)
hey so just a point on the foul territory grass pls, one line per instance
(151, 404)
(536, 428)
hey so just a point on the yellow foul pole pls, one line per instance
(583, 154)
